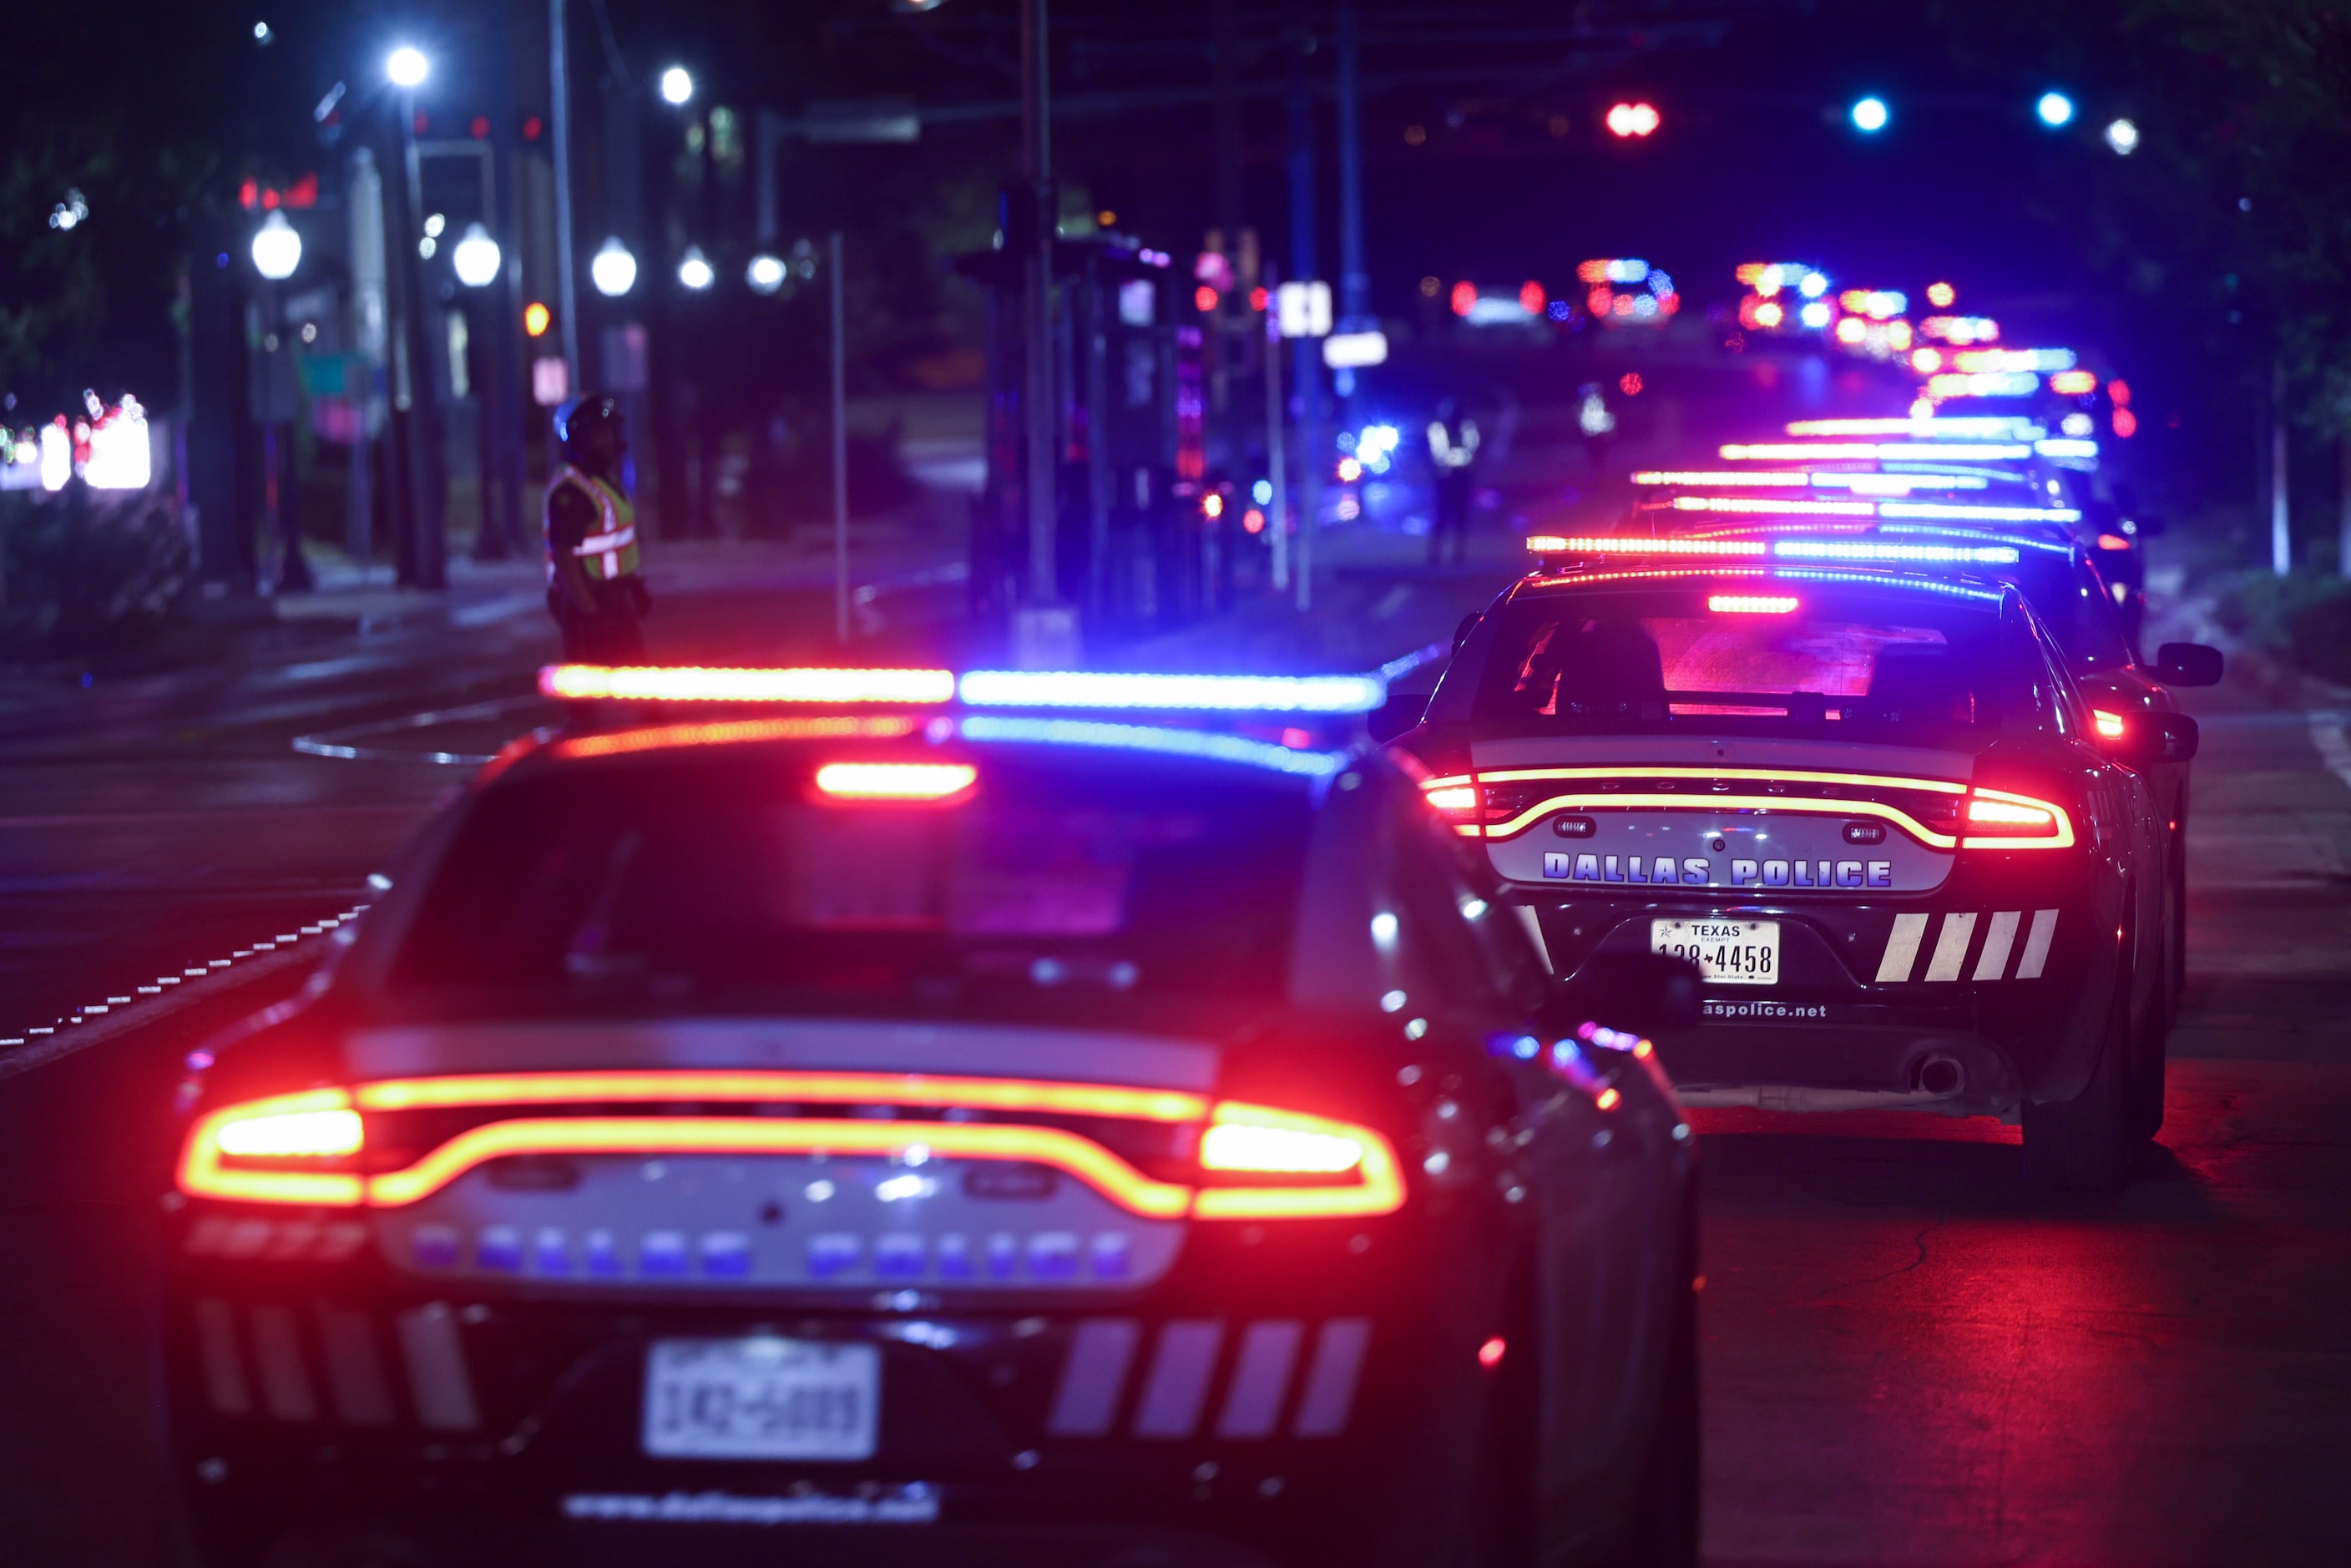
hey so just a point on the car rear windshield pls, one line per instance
(1078, 889)
(1766, 655)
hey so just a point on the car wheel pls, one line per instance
(2083, 1144)
(1663, 1526)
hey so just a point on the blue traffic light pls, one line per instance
(2054, 109)
(1870, 115)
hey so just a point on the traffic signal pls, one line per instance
(535, 318)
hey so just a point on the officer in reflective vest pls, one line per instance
(592, 586)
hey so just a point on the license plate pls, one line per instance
(764, 1399)
(1728, 952)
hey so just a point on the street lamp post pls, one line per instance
(277, 251)
(477, 260)
(423, 545)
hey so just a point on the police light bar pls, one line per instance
(1781, 549)
(1920, 511)
(976, 688)
(1966, 427)
(689, 683)
(1221, 694)
(1870, 451)
(1868, 484)
(1751, 603)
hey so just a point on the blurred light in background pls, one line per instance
(476, 257)
(1870, 115)
(407, 67)
(1626, 120)
(2054, 109)
(2123, 137)
(612, 269)
(765, 273)
(695, 271)
(1941, 296)
(536, 318)
(676, 84)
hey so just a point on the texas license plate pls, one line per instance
(761, 1398)
(1728, 952)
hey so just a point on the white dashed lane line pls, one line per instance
(2333, 747)
(96, 1021)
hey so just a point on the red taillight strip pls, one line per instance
(1079, 1157)
(2062, 839)
(1377, 1190)
(1861, 780)
(1812, 806)
(782, 1088)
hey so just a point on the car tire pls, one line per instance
(1661, 1531)
(2082, 1144)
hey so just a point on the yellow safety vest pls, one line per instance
(609, 549)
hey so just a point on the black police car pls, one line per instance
(1871, 803)
(919, 1125)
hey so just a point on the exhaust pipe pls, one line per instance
(1941, 1075)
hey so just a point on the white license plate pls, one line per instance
(765, 1398)
(1728, 952)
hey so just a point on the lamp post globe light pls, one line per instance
(612, 269)
(277, 248)
(676, 84)
(1870, 115)
(407, 67)
(695, 271)
(2122, 135)
(476, 257)
(2054, 109)
(765, 273)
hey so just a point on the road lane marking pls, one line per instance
(30, 1048)
(2333, 747)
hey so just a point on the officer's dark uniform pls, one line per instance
(590, 529)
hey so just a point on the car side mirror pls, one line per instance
(2188, 665)
(1395, 716)
(2149, 739)
(1648, 993)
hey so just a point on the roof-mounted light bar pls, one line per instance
(976, 688)
(1869, 450)
(1867, 483)
(691, 682)
(1783, 549)
(1962, 427)
(1221, 694)
(1774, 506)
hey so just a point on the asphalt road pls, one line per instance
(1907, 1359)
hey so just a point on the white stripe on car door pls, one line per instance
(1951, 946)
(1901, 947)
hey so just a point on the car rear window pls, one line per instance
(1765, 656)
(1074, 889)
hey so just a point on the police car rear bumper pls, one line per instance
(2010, 988)
(1225, 1416)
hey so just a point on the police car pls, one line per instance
(1872, 803)
(881, 1115)
(2061, 578)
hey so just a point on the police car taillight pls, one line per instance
(1996, 818)
(285, 1148)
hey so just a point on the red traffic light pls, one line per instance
(1633, 120)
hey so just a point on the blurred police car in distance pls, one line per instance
(909, 1117)
(1869, 802)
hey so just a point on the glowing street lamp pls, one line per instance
(476, 257)
(766, 273)
(277, 248)
(676, 86)
(2122, 135)
(695, 271)
(2054, 109)
(407, 67)
(612, 269)
(1870, 115)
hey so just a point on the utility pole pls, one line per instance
(2281, 513)
(1355, 282)
(1305, 268)
(1039, 486)
(566, 281)
(839, 447)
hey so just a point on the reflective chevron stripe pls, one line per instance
(1954, 936)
